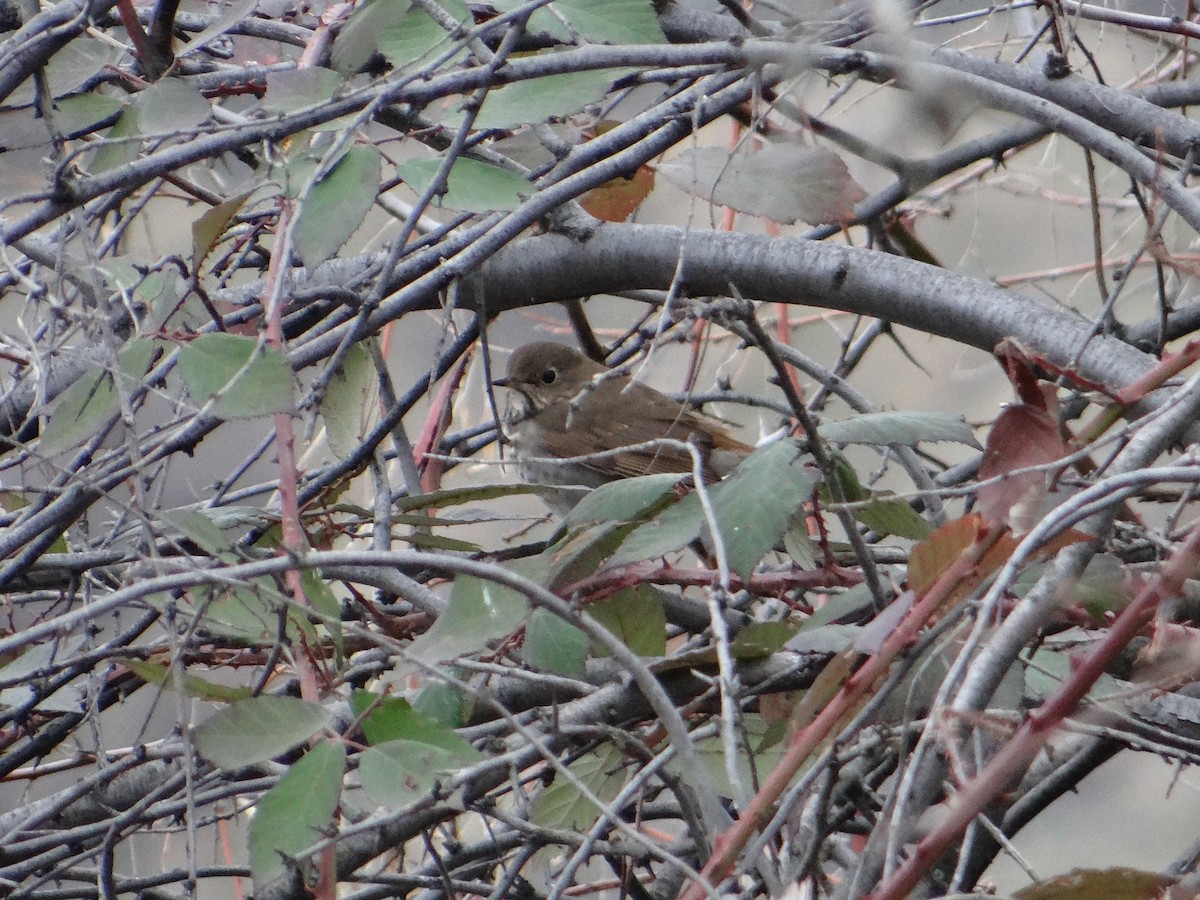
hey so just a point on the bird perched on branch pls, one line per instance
(568, 405)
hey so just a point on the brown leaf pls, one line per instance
(941, 550)
(934, 555)
(1022, 437)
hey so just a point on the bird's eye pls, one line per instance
(549, 376)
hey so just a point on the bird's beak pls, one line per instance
(503, 382)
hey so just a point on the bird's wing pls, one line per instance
(574, 436)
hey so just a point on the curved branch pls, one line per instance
(968, 310)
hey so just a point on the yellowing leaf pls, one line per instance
(211, 224)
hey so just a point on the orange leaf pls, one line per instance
(938, 552)
(616, 200)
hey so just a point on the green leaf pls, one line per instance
(626, 500)
(193, 685)
(1104, 587)
(754, 506)
(198, 527)
(32, 668)
(752, 767)
(799, 545)
(580, 553)
(894, 516)
(296, 89)
(595, 21)
(612, 21)
(358, 39)
(230, 16)
(443, 704)
(410, 37)
(211, 224)
(478, 611)
(401, 32)
(397, 773)
(297, 813)
(784, 182)
(852, 603)
(415, 34)
(120, 145)
(471, 186)
(1117, 883)
(133, 361)
(255, 730)
(80, 412)
(562, 805)
(76, 63)
(539, 99)
(552, 645)
(323, 601)
(350, 407)
(761, 639)
(1051, 664)
(81, 113)
(170, 106)
(672, 529)
(459, 496)
(906, 428)
(335, 206)
(539, 20)
(249, 613)
(635, 616)
(394, 719)
(244, 379)
(427, 541)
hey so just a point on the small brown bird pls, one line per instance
(569, 406)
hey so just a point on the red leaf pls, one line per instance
(1022, 437)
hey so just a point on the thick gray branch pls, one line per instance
(790, 270)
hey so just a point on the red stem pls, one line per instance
(1019, 751)
(436, 423)
(133, 28)
(823, 727)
